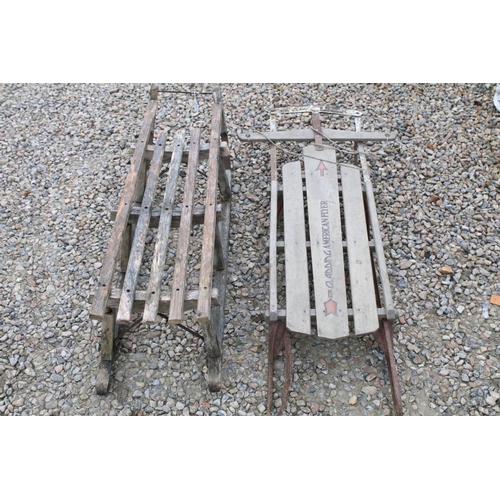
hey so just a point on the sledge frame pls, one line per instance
(116, 302)
(350, 192)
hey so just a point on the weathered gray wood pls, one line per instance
(102, 378)
(153, 91)
(224, 153)
(273, 229)
(280, 186)
(312, 313)
(108, 335)
(207, 251)
(363, 296)
(280, 245)
(114, 245)
(204, 150)
(296, 273)
(198, 216)
(190, 300)
(139, 243)
(308, 135)
(377, 238)
(143, 173)
(125, 252)
(213, 349)
(325, 231)
(179, 279)
(224, 187)
(154, 285)
(215, 332)
(218, 256)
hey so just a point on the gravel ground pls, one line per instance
(63, 160)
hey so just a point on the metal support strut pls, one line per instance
(279, 339)
(383, 336)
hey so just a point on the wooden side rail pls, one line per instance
(208, 244)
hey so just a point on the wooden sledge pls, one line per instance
(341, 226)
(116, 299)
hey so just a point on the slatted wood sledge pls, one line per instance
(118, 299)
(332, 241)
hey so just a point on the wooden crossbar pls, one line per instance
(308, 135)
(204, 151)
(198, 216)
(190, 300)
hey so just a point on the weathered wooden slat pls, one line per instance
(207, 251)
(358, 254)
(273, 276)
(141, 231)
(308, 135)
(214, 330)
(377, 238)
(153, 289)
(114, 245)
(179, 279)
(190, 300)
(296, 273)
(273, 229)
(198, 216)
(325, 231)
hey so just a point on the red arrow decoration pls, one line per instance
(330, 305)
(321, 168)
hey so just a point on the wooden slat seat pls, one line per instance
(297, 278)
(118, 301)
(364, 301)
(327, 253)
(328, 214)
